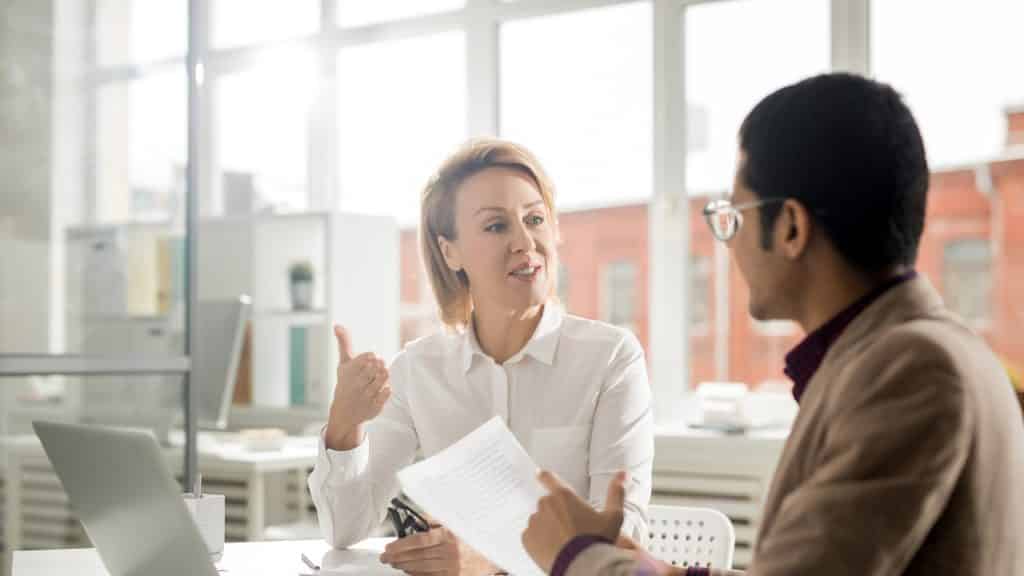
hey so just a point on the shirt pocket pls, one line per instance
(564, 450)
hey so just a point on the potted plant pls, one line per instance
(300, 275)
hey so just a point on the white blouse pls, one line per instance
(576, 397)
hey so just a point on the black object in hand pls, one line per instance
(406, 520)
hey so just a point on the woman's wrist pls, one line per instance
(342, 437)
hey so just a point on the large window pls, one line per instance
(585, 106)
(263, 118)
(350, 105)
(140, 147)
(787, 40)
(354, 13)
(137, 32)
(959, 77)
(93, 132)
(401, 109)
(967, 279)
(244, 22)
(958, 74)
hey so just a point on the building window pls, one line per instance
(563, 285)
(620, 294)
(700, 291)
(967, 279)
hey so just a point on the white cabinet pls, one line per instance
(355, 260)
(122, 289)
(260, 488)
(728, 472)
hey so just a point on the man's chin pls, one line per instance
(761, 313)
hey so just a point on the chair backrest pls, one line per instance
(685, 537)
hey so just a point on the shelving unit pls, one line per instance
(121, 282)
(355, 261)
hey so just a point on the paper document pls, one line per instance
(483, 488)
(363, 559)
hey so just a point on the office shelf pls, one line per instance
(355, 261)
(294, 317)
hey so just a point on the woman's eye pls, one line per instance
(495, 227)
(535, 220)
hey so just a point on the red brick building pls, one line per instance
(972, 251)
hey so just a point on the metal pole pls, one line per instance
(195, 73)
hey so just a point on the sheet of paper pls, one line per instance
(483, 488)
(362, 559)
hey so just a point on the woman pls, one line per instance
(574, 392)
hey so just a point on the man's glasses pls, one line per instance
(725, 218)
(406, 520)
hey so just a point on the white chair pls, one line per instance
(686, 537)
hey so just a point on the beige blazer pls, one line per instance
(907, 457)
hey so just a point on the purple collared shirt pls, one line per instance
(572, 549)
(803, 360)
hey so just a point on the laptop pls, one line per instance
(125, 496)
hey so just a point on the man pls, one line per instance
(907, 455)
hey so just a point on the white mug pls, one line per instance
(208, 513)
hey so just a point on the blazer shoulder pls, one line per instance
(934, 354)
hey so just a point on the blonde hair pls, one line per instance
(437, 215)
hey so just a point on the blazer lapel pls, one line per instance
(912, 299)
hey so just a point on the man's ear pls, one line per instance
(793, 229)
(452, 256)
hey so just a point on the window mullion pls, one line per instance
(851, 38)
(668, 218)
(482, 69)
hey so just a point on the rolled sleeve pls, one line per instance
(339, 466)
(350, 489)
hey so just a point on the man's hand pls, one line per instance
(562, 516)
(436, 552)
(362, 389)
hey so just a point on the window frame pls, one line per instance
(668, 218)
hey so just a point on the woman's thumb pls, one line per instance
(344, 344)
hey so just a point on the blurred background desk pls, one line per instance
(692, 467)
(728, 472)
(240, 559)
(37, 514)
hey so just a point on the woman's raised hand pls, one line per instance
(361, 390)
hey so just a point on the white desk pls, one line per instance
(240, 559)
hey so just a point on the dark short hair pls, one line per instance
(849, 150)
